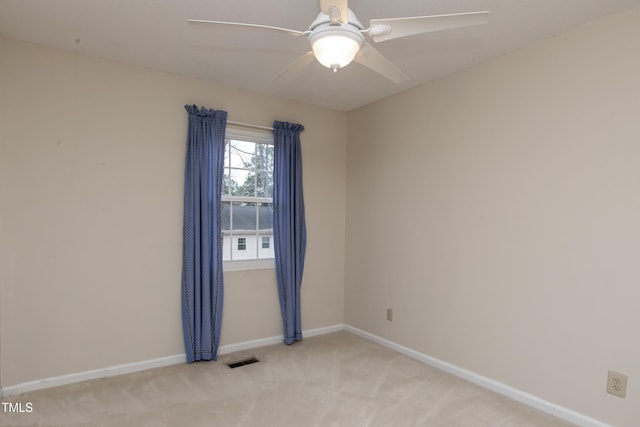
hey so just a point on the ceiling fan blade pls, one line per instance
(371, 58)
(393, 28)
(297, 65)
(241, 24)
(341, 5)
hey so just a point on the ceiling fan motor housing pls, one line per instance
(323, 18)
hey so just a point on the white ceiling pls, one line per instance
(155, 33)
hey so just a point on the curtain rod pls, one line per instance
(248, 125)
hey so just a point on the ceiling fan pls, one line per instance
(337, 37)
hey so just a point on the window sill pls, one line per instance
(252, 264)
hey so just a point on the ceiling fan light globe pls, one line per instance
(335, 51)
(335, 48)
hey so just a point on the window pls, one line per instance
(247, 200)
(242, 243)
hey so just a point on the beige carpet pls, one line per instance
(332, 380)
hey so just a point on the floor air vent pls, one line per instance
(243, 362)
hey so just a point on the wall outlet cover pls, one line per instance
(617, 384)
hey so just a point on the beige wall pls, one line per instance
(497, 211)
(91, 215)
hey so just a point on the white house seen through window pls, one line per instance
(247, 196)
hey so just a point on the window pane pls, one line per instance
(226, 216)
(265, 217)
(244, 217)
(226, 231)
(269, 152)
(241, 153)
(266, 171)
(242, 182)
(265, 183)
(265, 232)
(269, 185)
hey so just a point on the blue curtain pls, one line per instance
(289, 229)
(202, 286)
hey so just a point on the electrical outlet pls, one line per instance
(389, 314)
(617, 384)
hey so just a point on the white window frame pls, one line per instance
(250, 264)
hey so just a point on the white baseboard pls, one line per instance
(322, 331)
(488, 383)
(110, 371)
(147, 364)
